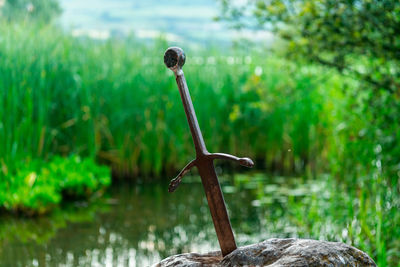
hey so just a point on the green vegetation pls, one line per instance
(105, 99)
(36, 186)
(332, 106)
(360, 40)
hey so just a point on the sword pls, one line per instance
(174, 59)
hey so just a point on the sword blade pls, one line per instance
(217, 206)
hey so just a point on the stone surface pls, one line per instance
(277, 252)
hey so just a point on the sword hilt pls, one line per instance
(174, 59)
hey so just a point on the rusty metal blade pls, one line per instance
(217, 206)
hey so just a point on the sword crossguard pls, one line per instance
(247, 162)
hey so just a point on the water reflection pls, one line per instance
(138, 225)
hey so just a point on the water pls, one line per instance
(137, 225)
(180, 22)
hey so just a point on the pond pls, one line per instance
(139, 224)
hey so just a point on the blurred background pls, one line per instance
(92, 126)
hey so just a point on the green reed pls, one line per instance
(116, 100)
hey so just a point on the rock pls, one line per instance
(193, 260)
(276, 252)
(297, 252)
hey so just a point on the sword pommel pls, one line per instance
(174, 58)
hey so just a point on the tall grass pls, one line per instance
(116, 100)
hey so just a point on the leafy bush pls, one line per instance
(37, 186)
